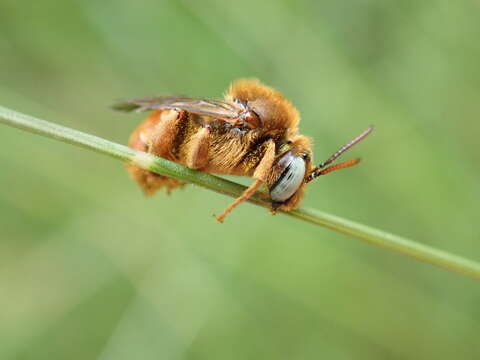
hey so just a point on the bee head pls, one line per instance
(289, 172)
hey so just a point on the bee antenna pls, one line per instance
(319, 170)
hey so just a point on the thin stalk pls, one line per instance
(161, 166)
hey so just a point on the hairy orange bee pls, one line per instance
(252, 132)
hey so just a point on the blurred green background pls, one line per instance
(90, 269)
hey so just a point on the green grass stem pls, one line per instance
(161, 166)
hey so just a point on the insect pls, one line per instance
(252, 132)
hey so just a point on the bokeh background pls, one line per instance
(90, 269)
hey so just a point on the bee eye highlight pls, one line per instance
(290, 179)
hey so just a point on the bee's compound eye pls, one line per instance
(290, 179)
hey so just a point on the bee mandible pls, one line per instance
(252, 132)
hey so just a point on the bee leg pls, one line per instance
(197, 149)
(260, 174)
(245, 196)
(264, 168)
(162, 138)
(154, 135)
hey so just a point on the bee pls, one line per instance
(252, 132)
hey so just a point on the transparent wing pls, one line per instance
(218, 109)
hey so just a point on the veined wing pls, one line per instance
(236, 114)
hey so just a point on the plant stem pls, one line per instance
(161, 166)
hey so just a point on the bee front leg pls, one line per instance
(260, 174)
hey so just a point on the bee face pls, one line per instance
(292, 174)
